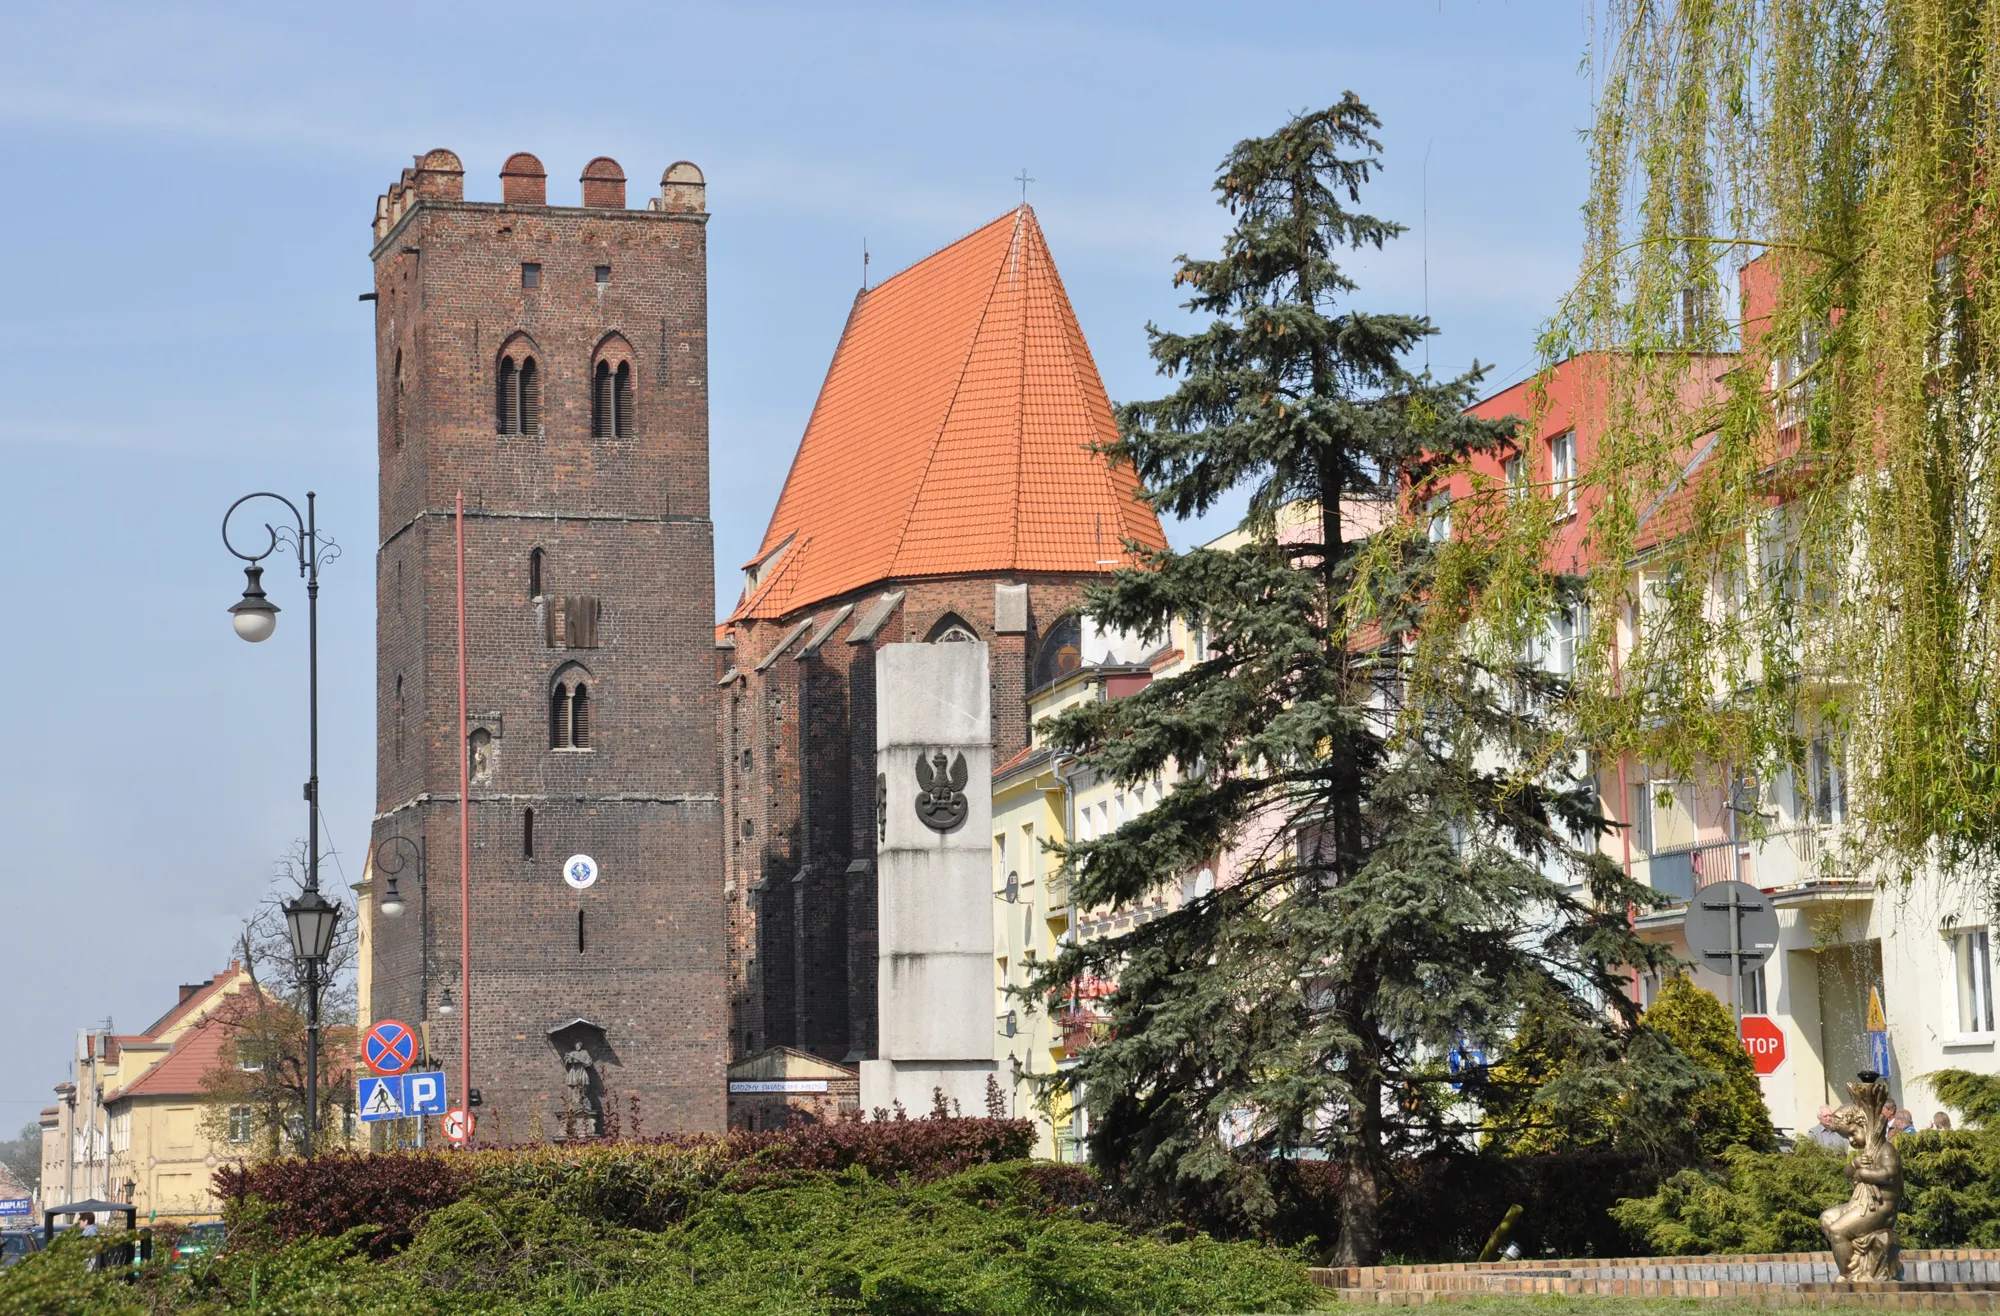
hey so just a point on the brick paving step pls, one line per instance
(1944, 1280)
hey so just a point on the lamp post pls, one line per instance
(390, 857)
(311, 919)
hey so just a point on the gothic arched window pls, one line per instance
(537, 565)
(611, 401)
(569, 710)
(517, 404)
(1061, 650)
(951, 629)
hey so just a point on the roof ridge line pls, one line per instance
(1075, 342)
(969, 233)
(1020, 387)
(944, 421)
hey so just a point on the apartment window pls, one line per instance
(1972, 972)
(1562, 470)
(1639, 815)
(242, 1124)
(1439, 508)
(611, 401)
(1568, 628)
(531, 274)
(1751, 995)
(1826, 782)
(1515, 469)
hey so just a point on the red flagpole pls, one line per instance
(464, 844)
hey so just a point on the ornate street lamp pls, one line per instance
(311, 918)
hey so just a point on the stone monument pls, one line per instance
(934, 765)
(1862, 1230)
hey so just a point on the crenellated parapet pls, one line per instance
(439, 175)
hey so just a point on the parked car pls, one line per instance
(199, 1240)
(17, 1244)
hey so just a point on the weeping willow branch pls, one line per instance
(1796, 511)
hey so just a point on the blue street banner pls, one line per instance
(399, 1096)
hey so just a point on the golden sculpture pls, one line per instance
(1862, 1230)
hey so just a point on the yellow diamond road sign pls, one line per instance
(1876, 1023)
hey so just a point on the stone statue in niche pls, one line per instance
(941, 799)
(482, 754)
(1862, 1230)
(580, 1109)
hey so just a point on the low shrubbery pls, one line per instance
(991, 1239)
(903, 1216)
(1770, 1201)
(643, 1184)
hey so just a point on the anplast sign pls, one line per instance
(1765, 1042)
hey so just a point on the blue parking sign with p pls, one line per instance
(397, 1096)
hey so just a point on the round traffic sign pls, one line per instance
(458, 1125)
(390, 1047)
(1765, 1042)
(1721, 911)
(580, 870)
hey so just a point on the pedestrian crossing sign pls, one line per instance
(381, 1098)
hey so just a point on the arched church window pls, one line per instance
(951, 629)
(611, 401)
(569, 710)
(1061, 650)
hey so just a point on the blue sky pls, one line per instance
(190, 188)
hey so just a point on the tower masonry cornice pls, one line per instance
(396, 231)
(485, 514)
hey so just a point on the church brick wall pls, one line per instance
(802, 887)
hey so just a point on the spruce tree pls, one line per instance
(1418, 861)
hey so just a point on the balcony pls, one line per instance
(1781, 858)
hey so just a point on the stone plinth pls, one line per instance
(934, 757)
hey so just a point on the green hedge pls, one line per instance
(1770, 1201)
(994, 1239)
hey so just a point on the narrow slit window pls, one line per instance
(535, 565)
(602, 403)
(507, 417)
(621, 401)
(531, 397)
(559, 725)
(579, 717)
(527, 833)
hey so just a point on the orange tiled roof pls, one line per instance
(950, 435)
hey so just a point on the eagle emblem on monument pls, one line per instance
(941, 794)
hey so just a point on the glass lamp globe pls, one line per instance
(446, 1006)
(392, 901)
(254, 616)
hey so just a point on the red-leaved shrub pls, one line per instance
(333, 1192)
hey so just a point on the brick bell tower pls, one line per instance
(550, 362)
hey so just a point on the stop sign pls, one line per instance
(1765, 1042)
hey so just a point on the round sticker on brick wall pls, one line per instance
(580, 870)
